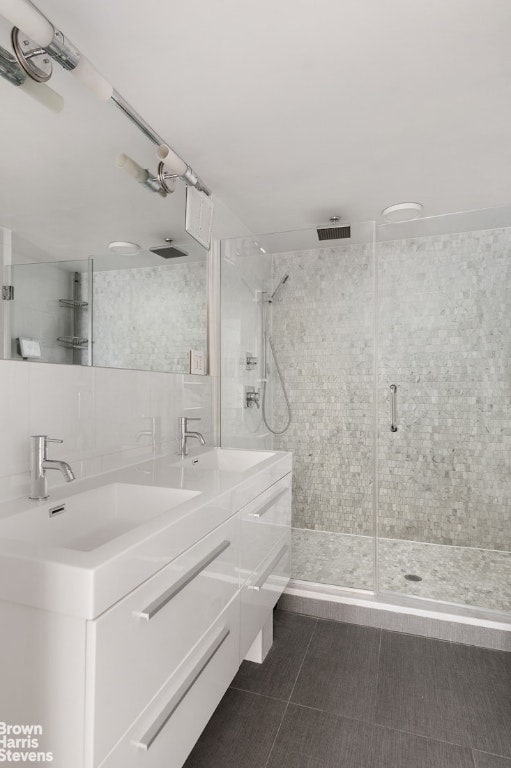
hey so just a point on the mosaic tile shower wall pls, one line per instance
(323, 336)
(128, 309)
(445, 340)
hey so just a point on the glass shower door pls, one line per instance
(323, 338)
(321, 327)
(444, 474)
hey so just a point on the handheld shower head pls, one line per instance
(275, 293)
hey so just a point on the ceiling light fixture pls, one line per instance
(39, 32)
(402, 212)
(172, 166)
(142, 175)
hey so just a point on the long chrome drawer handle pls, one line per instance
(269, 504)
(393, 408)
(263, 578)
(152, 733)
(161, 601)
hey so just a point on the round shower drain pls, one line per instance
(412, 577)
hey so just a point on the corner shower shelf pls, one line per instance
(73, 303)
(73, 342)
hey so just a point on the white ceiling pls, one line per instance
(292, 110)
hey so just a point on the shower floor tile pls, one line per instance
(477, 577)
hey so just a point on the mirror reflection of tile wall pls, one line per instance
(149, 318)
(144, 318)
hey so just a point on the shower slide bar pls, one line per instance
(393, 408)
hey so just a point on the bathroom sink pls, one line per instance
(85, 521)
(227, 459)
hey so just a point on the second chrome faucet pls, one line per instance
(185, 434)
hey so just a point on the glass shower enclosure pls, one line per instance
(393, 345)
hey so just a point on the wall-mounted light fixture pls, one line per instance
(33, 33)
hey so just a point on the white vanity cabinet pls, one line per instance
(134, 686)
(265, 563)
(135, 647)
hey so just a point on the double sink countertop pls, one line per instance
(94, 540)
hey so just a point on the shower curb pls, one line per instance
(354, 607)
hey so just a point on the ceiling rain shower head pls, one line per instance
(168, 252)
(333, 231)
(275, 293)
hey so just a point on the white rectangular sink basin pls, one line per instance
(92, 518)
(227, 459)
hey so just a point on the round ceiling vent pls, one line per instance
(402, 212)
(128, 249)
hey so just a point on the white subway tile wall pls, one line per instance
(98, 412)
(246, 271)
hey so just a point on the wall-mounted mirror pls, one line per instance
(63, 200)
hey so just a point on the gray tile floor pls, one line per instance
(333, 695)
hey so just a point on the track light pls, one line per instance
(173, 166)
(171, 160)
(92, 79)
(34, 35)
(32, 30)
(12, 72)
(24, 15)
(141, 175)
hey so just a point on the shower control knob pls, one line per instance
(252, 397)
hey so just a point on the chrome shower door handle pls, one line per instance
(393, 408)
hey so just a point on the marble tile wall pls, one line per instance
(323, 337)
(445, 339)
(129, 305)
(444, 320)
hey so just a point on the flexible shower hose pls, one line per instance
(286, 398)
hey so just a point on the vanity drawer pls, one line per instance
(167, 730)
(136, 645)
(264, 522)
(262, 591)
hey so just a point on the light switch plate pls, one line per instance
(197, 362)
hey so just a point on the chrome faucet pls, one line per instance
(154, 433)
(39, 463)
(184, 434)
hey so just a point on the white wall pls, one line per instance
(246, 271)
